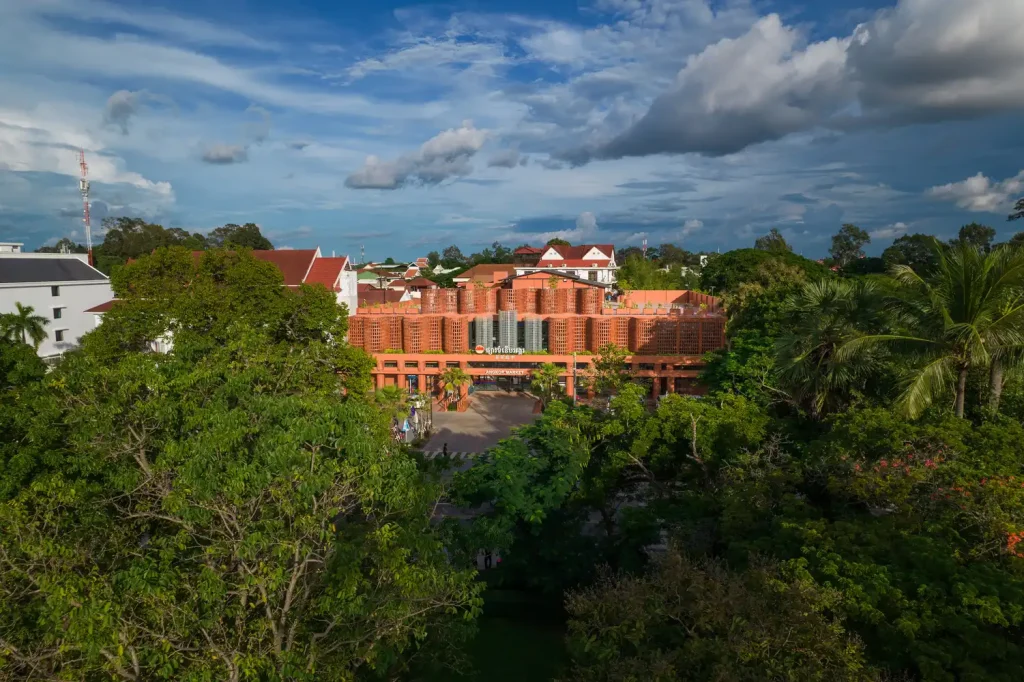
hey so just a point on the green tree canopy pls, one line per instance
(773, 241)
(557, 241)
(64, 245)
(847, 244)
(246, 236)
(915, 250)
(726, 272)
(230, 510)
(976, 235)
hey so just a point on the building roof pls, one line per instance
(378, 296)
(579, 252)
(528, 251)
(420, 282)
(103, 307)
(294, 264)
(15, 270)
(411, 272)
(363, 286)
(566, 275)
(326, 271)
(485, 273)
(571, 263)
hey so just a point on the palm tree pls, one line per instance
(820, 318)
(394, 400)
(453, 379)
(968, 312)
(545, 383)
(23, 325)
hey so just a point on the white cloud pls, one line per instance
(893, 231)
(507, 158)
(443, 156)
(979, 193)
(923, 60)
(690, 226)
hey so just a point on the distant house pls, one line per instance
(595, 262)
(488, 275)
(374, 297)
(61, 287)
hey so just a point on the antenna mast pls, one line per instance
(83, 187)
(362, 254)
(645, 248)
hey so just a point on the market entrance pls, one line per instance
(504, 384)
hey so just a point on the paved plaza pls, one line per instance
(490, 418)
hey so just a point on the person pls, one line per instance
(444, 450)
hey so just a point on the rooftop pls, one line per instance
(17, 269)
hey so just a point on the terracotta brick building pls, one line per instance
(499, 335)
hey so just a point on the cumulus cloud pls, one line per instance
(507, 158)
(225, 154)
(760, 86)
(923, 60)
(979, 193)
(299, 145)
(586, 223)
(893, 231)
(443, 156)
(690, 226)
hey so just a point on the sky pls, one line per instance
(402, 127)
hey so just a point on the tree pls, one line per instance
(433, 259)
(221, 512)
(1018, 211)
(65, 245)
(968, 309)
(976, 235)
(699, 620)
(23, 325)
(726, 272)
(546, 383)
(452, 381)
(246, 236)
(773, 241)
(915, 250)
(557, 241)
(609, 372)
(389, 261)
(637, 274)
(19, 365)
(627, 252)
(670, 254)
(819, 320)
(847, 243)
(452, 257)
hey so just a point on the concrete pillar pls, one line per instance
(421, 381)
(671, 384)
(655, 387)
(570, 388)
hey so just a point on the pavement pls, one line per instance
(490, 418)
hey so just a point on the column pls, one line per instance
(421, 381)
(379, 379)
(655, 387)
(671, 384)
(570, 388)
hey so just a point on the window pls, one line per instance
(54, 291)
(451, 364)
(56, 313)
(391, 363)
(433, 365)
(58, 335)
(411, 365)
(592, 275)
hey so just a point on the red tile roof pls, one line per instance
(578, 252)
(421, 282)
(486, 273)
(102, 307)
(572, 263)
(363, 286)
(293, 263)
(528, 251)
(326, 271)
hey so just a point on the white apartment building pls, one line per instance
(60, 287)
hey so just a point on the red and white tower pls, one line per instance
(83, 187)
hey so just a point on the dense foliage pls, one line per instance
(230, 510)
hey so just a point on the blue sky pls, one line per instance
(407, 126)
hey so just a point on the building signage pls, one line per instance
(491, 373)
(498, 350)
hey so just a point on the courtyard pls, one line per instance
(490, 418)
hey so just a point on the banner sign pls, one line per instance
(499, 350)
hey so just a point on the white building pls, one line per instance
(58, 286)
(593, 262)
